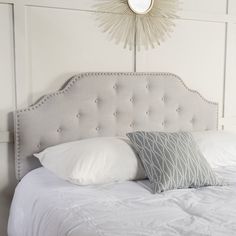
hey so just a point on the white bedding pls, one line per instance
(44, 205)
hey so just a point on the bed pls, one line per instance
(112, 104)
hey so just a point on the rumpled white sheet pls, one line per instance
(44, 205)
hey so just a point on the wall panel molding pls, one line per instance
(38, 58)
(207, 17)
(203, 69)
(210, 11)
(7, 79)
(6, 137)
(230, 83)
(7, 105)
(52, 60)
(217, 15)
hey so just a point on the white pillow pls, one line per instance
(93, 161)
(218, 147)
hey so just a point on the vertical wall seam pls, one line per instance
(135, 46)
(227, 7)
(225, 63)
(14, 57)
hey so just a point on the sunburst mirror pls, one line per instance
(137, 23)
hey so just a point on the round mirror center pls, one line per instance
(140, 6)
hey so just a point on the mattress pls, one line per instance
(44, 205)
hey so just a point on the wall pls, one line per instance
(44, 42)
(7, 105)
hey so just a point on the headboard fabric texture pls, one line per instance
(109, 104)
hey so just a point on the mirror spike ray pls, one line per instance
(137, 24)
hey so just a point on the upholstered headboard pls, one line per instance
(109, 104)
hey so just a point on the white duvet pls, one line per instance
(44, 205)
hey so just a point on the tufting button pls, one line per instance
(164, 123)
(132, 99)
(147, 113)
(193, 120)
(39, 145)
(98, 128)
(164, 98)
(179, 109)
(59, 130)
(78, 115)
(96, 100)
(115, 86)
(147, 86)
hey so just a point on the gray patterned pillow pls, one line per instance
(172, 160)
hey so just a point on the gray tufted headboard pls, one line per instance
(109, 104)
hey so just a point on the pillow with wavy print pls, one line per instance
(172, 161)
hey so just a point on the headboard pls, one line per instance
(109, 104)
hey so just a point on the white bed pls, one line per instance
(112, 104)
(45, 205)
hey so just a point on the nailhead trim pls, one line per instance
(67, 88)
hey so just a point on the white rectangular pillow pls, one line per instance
(218, 147)
(93, 161)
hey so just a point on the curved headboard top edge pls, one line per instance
(69, 83)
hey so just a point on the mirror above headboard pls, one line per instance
(109, 104)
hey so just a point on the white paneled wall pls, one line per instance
(6, 66)
(232, 7)
(7, 183)
(230, 89)
(68, 44)
(205, 6)
(7, 98)
(47, 41)
(203, 69)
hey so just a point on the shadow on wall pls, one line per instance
(7, 178)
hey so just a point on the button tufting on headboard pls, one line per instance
(109, 104)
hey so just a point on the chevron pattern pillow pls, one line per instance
(172, 160)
